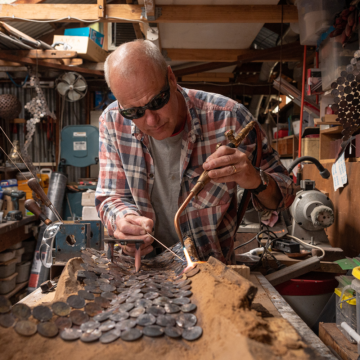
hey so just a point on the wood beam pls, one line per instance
(228, 55)
(149, 8)
(203, 67)
(136, 26)
(101, 4)
(69, 62)
(28, 61)
(28, 1)
(43, 54)
(169, 13)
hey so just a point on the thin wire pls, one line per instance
(165, 246)
(216, 84)
(13, 162)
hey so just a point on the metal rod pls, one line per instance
(165, 246)
(12, 162)
(177, 217)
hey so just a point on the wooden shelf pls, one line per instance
(17, 289)
(286, 146)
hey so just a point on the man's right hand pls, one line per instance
(133, 227)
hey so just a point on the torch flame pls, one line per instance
(190, 264)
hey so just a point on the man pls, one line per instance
(157, 139)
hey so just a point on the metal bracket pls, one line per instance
(158, 13)
(165, 55)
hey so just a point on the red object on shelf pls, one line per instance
(312, 136)
(282, 133)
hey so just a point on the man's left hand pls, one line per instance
(227, 165)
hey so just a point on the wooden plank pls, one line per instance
(149, 8)
(44, 63)
(11, 225)
(101, 8)
(335, 340)
(228, 55)
(289, 314)
(43, 54)
(202, 68)
(70, 62)
(290, 272)
(16, 290)
(169, 13)
(205, 78)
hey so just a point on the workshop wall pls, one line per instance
(345, 232)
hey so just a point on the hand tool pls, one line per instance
(32, 206)
(15, 196)
(204, 177)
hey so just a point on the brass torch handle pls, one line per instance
(234, 143)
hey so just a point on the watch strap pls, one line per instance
(263, 186)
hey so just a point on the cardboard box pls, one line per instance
(84, 46)
(86, 31)
(88, 199)
(311, 147)
(89, 213)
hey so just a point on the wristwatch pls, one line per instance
(265, 180)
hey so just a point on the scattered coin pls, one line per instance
(7, 320)
(146, 320)
(143, 302)
(47, 329)
(60, 308)
(165, 320)
(186, 287)
(63, 322)
(153, 331)
(126, 324)
(110, 336)
(90, 275)
(91, 336)
(186, 320)
(86, 295)
(95, 290)
(184, 293)
(162, 300)
(25, 327)
(171, 308)
(107, 287)
(126, 307)
(188, 307)
(5, 304)
(21, 311)
(131, 283)
(70, 334)
(192, 333)
(76, 301)
(151, 295)
(89, 326)
(120, 316)
(107, 325)
(102, 317)
(155, 310)
(42, 313)
(92, 308)
(108, 295)
(181, 301)
(131, 334)
(131, 299)
(137, 312)
(173, 332)
(78, 317)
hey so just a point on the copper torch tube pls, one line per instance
(177, 217)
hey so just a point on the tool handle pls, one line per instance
(37, 189)
(32, 206)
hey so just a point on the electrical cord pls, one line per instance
(309, 245)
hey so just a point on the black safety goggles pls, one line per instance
(156, 103)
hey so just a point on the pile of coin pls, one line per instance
(115, 303)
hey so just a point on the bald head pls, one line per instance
(131, 58)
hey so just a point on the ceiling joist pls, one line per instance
(169, 13)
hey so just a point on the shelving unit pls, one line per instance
(287, 147)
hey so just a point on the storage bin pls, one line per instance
(7, 255)
(16, 246)
(23, 271)
(334, 59)
(315, 17)
(345, 311)
(8, 284)
(310, 147)
(7, 268)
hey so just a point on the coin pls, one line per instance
(107, 325)
(146, 320)
(155, 310)
(183, 283)
(101, 281)
(162, 300)
(89, 326)
(181, 301)
(76, 301)
(42, 313)
(131, 283)
(90, 275)
(188, 308)
(110, 336)
(151, 295)
(5, 304)
(102, 317)
(107, 287)
(131, 335)
(184, 293)
(70, 334)
(92, 308)
(126, 307)
(25, 327)
(196, 270)
(186, 320)
(7, 320)
(137, 311)
(192, 333)
(78, 317)
(106, 276)
(120, 316)
(108, 295)
(126, 324)
(95, 290)
(63, 322)
(86, 295)
(143, 303)
(165, 320)
(91, 336)
(104, 303)
(60, 308)
(47, 329)
(171, 308)
(173, 332)
(21, 311)
(153, 330)
(131, 299)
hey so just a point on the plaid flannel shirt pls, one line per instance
(127, 171)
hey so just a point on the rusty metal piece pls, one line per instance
(63, 323)
(47, 329)
(21, 311)
(60, 308)
(47, 286)
(42, 313)
(26, 328)
(78, 317)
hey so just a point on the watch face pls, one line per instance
(264, 177)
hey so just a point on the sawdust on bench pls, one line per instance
(230, 332)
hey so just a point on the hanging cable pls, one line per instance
(13, 81)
